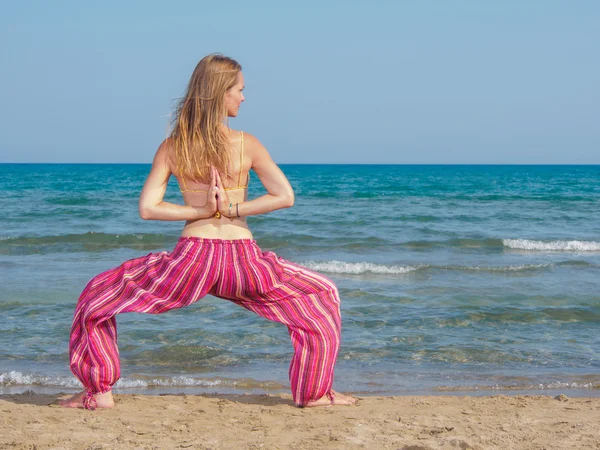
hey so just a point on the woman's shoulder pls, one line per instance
(255, 150)
(251, 142)
(166, 146)
(165, 153)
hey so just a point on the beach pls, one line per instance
(30, 421)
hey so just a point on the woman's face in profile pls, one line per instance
(234, 96)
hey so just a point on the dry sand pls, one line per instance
(30, 421)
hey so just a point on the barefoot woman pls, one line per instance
(216, 253)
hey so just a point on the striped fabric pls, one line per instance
(237, 270)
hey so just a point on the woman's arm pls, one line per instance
(152, 206)
(280, 193)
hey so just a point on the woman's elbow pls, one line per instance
(288, 200)
(145, 212)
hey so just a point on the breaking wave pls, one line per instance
(552, 246)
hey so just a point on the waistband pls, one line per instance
(202, 240)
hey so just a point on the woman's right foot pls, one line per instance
(99, 401)
(336, 399)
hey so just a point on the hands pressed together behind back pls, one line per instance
(217, 199)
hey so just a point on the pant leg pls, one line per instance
(152, 284)
(307, 302)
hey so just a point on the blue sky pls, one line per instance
(433, 82)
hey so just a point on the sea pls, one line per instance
(454, 280)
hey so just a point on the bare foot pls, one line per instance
(99, 401)
(335, 400)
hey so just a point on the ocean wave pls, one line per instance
(358, 268)
(552, 246)
(15, 378)
(515, 268)
(500, 244)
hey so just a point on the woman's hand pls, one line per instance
(212, 205)
(222, 197)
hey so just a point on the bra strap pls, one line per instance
(184, 186)
(241, 160)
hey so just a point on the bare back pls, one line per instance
(195, 194)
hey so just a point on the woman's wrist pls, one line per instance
(203, 212)
(233, 211)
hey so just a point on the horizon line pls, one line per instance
(323, 164)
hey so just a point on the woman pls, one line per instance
(215, 254)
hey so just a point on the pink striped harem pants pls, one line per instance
(237, 270)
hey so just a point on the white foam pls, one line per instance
(552, 246)
(172, 382)
(518, 268)
(15, 378)
(358, 268)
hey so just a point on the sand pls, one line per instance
(30, 421)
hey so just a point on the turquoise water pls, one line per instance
(453, 279)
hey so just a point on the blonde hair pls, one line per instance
(198, 137)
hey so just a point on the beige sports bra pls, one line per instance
(239, 186)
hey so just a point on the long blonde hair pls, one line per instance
(198, 138)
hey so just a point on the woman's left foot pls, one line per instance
(336, 399)
(100, 401)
